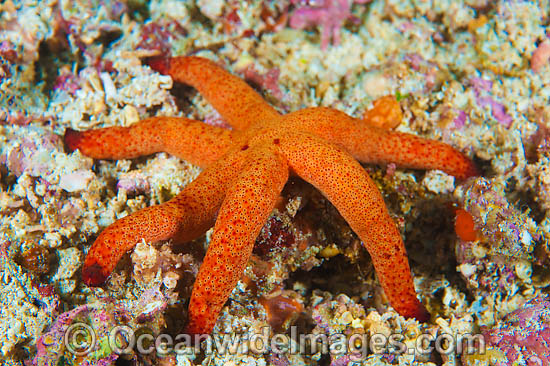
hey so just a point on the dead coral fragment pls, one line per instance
(159, 36)
(35, 259)
(52, 349)
(523, 338)
(82, 336)
(33, 154)
(268, 81)
(161, 265)
(505, 230)
(482, 91)
(330, 15)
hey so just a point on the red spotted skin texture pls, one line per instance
(244, 172)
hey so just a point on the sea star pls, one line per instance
(245, 170)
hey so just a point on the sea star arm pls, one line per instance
(183, 218)
(246, 208)
(346, 184)
(370, 144)
(194, 141)
(231, 96)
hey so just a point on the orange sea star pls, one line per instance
(244, 172)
